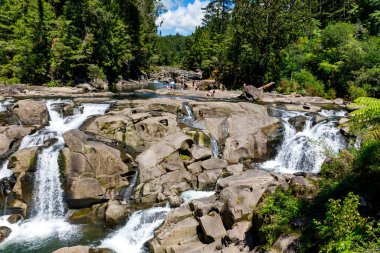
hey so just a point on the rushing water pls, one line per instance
(306, 150)
(190, 119)
(188, 196)
(214, 147)
(139, 229)
(4, 104)
(47, 222)
(141, 225)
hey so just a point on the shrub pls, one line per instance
(276, 213)
(309, 83)
(356, 92)
(338, 167)
(343, 229)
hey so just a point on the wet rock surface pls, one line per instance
(143, 146)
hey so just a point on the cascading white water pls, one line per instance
(332, 113)
(306, 150)
(48, 218)
(48, 192)
(214, 147)
(188, 196)
(189, 119)
(4, 171)
(139, 229)
(4, 104)
(141, 225)
(128, 192)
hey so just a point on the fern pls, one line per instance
(366, 119)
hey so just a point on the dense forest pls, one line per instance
(324, 48)
(69, 41)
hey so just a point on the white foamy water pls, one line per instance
(139, 229)
(4, 171)
(48, 216)
(332, 113)
(189, 119)
(188, 196)
(306, 150)
(4, 104)
(32, 233)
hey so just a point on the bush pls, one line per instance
(309, 83)
(95, 72)
(338, 167)
(343, 229)
(356, 92)
(337, 34)
(275, 215)
(368, 158)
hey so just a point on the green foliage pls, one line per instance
(343, 229)
(356, 92)
(337, 168)
(275, 214)
(368, 158)
(367, 118)
(65, 41)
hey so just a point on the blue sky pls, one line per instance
(182, 16)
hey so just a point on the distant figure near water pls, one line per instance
(211, 93)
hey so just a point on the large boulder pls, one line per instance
(11, 136)
(249, 137)
(117, 127)
(242, 192)
(250, 92)
(24, 160)
(155, 128)
(100, 84)
(116, 213)
(212, 226)
(4, 233)
(92, 170)
(31, 112)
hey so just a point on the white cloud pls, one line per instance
(182, 20)
(170, 4)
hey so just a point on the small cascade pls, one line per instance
(306, 150)
(332, 113)
(128, 192)
(139, 229)
(4, 105)
(215, 147)
(188, 196)
(4, 171)
(48, 192)
(189, 119)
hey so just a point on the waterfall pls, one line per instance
(214, 147)
(305, 150)
(128, 192)
(141, 225)
(48, 192)
(139, 229)
(4, 171)
(189, 119)
(189, 195)
(4, 104)
(48, 217)
(332, 113)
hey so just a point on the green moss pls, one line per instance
(33, 162)
(62, 165)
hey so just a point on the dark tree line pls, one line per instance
(69, 41)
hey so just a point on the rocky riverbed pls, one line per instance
(177, 170)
